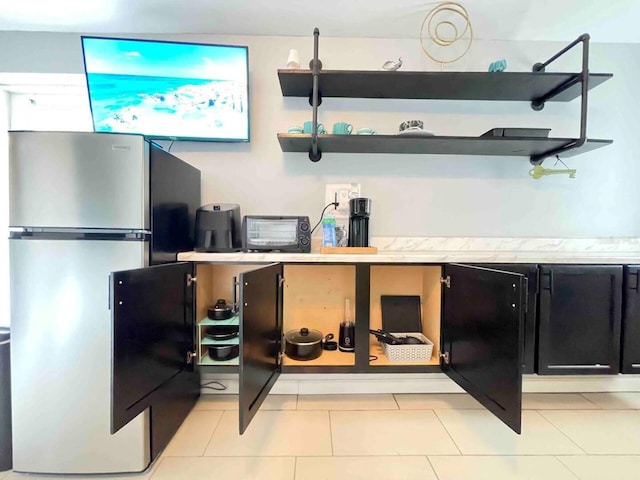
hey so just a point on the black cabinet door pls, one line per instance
(481, 337)
(261, 337)
(631, 320)
(152, 315)
(580, 318)
(530, 322)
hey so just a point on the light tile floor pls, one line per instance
(402, 437)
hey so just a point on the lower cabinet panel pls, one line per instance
(580, 320)
(631, 321)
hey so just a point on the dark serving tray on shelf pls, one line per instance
(518, 132)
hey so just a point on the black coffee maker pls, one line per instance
(360, 209)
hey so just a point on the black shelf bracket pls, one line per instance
(315, 65)
(583, 78)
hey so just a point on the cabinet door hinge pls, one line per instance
(191, 279)
(446, 280)
(190, 356)
(445, 357)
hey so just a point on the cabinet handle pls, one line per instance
(635, 286)
(549, 287)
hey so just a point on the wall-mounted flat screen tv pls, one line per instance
(168, 90)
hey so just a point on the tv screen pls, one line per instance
(168, 90)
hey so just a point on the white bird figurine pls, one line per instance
(392, 65)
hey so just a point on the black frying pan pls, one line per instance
(222, 332)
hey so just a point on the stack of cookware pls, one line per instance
(223, 332)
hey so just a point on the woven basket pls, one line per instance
(400, 353)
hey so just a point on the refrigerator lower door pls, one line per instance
(78, 180)
(61, 358)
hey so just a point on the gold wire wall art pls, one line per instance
(446, 33)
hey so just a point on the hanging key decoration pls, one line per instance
(539, 171)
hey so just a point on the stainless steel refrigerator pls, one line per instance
(84, 205)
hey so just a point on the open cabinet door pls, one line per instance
(261, 337)
(482, 337)
(152, 336)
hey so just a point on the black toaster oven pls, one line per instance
(265, 233)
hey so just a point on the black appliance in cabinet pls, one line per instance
(580, 319)
(530, 322)
(631, 320)
(481, 328)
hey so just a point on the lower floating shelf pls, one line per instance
(435, 145)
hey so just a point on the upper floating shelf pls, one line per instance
(513, 86)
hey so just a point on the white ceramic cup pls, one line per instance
(293, 62)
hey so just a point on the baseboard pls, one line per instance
(316, 384)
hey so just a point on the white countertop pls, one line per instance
(457, 250)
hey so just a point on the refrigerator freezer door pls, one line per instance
(61, 358)
(78, 180)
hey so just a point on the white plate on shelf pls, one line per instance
(416, 132)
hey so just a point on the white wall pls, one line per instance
(4, 210)
(413, 195)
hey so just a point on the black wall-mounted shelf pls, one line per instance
(434, 145)
(511, 86)
(537, 87)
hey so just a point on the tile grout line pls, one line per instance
(539, 412)
(213, 432)
(396, 400)
(435, 412)
(151, 474)
(331, 433)
(295, 467)
(592, 403)
(566, 467)
(432, 467)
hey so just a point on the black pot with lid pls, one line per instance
(220, 311)
(304, 343)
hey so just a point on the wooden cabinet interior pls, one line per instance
(314, 297)
(214, 282)
(407, 280)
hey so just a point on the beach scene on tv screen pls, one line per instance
(167, 89)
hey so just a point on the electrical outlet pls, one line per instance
(343, 192)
